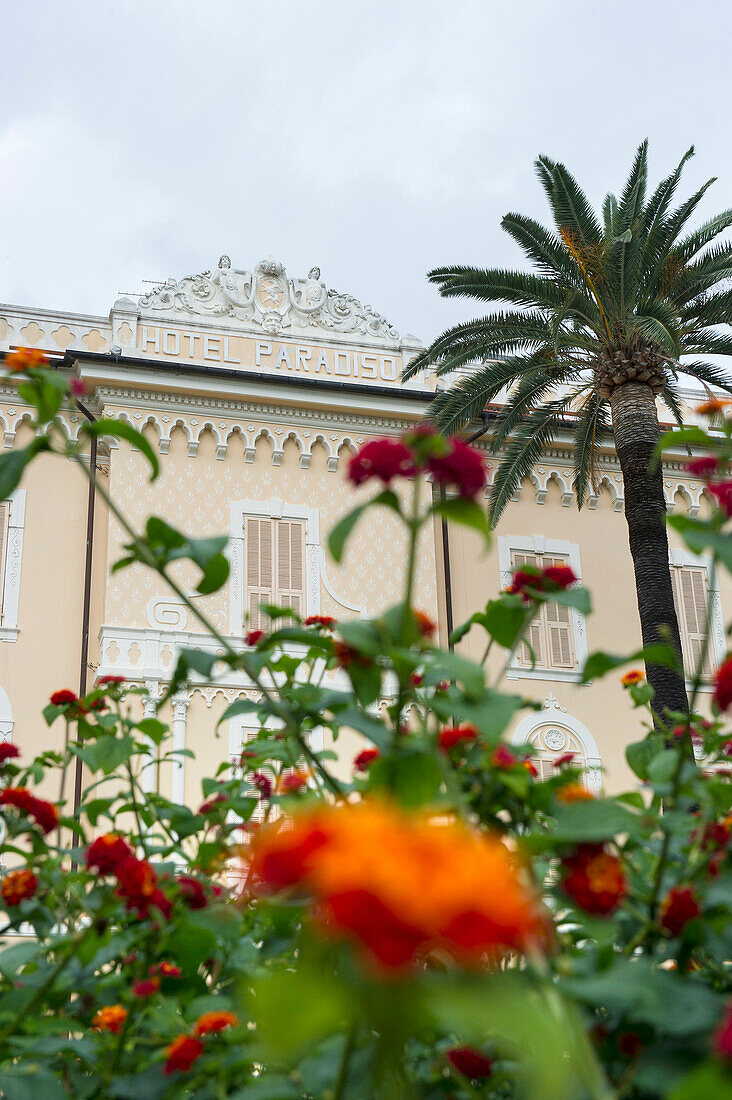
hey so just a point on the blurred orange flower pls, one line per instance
(110, 1018)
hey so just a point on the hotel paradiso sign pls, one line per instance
(265, 322)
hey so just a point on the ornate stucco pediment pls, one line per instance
(268, 299)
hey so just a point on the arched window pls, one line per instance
(552, 732)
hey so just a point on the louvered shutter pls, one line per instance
(690, 591)
(544, 767)
(4, 517)
(290, 565)
(559, 629)
(535, 633)
(259, 567)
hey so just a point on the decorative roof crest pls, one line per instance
(267, 298)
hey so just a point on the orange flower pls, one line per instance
(293, 782)
(425, 625)
(110, 1018)
(18, 885)
(633, 677)
(574, 792)
(212, 1022)
(23, 358)
(401, 885)
(713, 405)
(594, 879)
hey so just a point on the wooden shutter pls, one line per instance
(4, 517)
(290, 545)
(544, 766)
(690, 592)
(559, 629)
(259, 569)
(535, 633)
(551, 633)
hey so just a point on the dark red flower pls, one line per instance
(703, 467)
(182, 1053)
(254, 637)
(212, 803)
(279, 869)
(63, 697)
(678, 907)
(166, 970)
(470, 1062)
(138, 885)
(560, 575)
(17, 886)
(365, 759)
(456, 735)
(381, 458)
(630, 1044)
(503, 757)
(146, 987)
(723, 685)
(325, 622)
(523, 580)
(8, 751)
(722, 1041)
(263, 784)
(722, 490)
(566, 758)
(386, 937)
(425, 625)
(104, 681)
(415, 679)
(77, 387)
(462, 467)
(43, 813)
(594, 879)
(346, 655)
(107, 852)
(192, 892)
(294, 781)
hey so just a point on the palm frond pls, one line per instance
(610, 216)
(709, 373)
(518, 287)
(541, 246)
(593, 426)
(672, 400)
(714, 309)
(529, 392)
(453, 408)
(523, 451)
(570, 205)
(704, 235)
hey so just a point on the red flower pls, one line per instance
(381, 458)
(292, 782)
(107, 852)
(425, 625)
(110, 1018)
(594, 879)
(254, 637)
(415, 679)
(523, 580)
(263, 784)
(722, 490)
(560, 575)
(503, 757)
(722, 1041)
(325, 622)
(629, 1044)
(703, 467)
(18, 885)
(365, 759)
(456, 735)
(63, 697)
(723, 685)
(103, 681)
(43, 813)
(182, 1053)
(470, 1062)
(678, 907)
(285, 867)
(462, 467)
(346, 655)
(192, 892)
(530, 768)
(146, 988)
(138, 886)
(565, 758)
(8, 751)
(386, 937)
(212, 1022)
(167, 970)
(211, 804)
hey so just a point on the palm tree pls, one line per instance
(614, 304)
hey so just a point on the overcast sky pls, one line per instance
(377, 140)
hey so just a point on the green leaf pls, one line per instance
(699, 535)
(504, 620)
(491, 714)
(601, 819)
(12, 466)
(662, 767)
(240, 706)
(214, 575)
(310, 999)
(370, 727)
(106, 753)
(118, 429)
(600, 663)
(465, 512)
(339, 534)
(366, 680)
(96, 807)
(577, 597)
(362, 635)
(451, 666)
(13, 959)
(152, 728)
(413, 778)
(640, 754)
(31, 1082)
(711, 1081)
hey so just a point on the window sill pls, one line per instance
(547, 674)
(9, 633)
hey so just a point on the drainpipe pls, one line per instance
(85, 614)
(447, 571)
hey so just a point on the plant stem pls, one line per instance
(340, 1085)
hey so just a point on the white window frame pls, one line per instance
(272, 509)
(13, 561)
(565, 726)
(538, 544)
(717, 647)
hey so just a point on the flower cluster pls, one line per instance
(462, 735)
(323, 622)
(678, 908)
(400, 886)
(25, 359)
(470, 1062)
(17, 886)
(451, 462)
(528, 581)
(723, 685)
(187, 1049)
(43, 813)
(712, 469)
(137, 881)
(363, 761)
(110, 1018)
(594, 879)
(8, 751)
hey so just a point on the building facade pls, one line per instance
(255, 388)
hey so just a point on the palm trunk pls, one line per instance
(636, 430)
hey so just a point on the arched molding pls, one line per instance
(360, 608)
(6, 716)
(553, 729)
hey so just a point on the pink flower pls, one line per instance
(703, 467)
(503, 757)
(462, 467)
(381, 458)
(722, 490)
